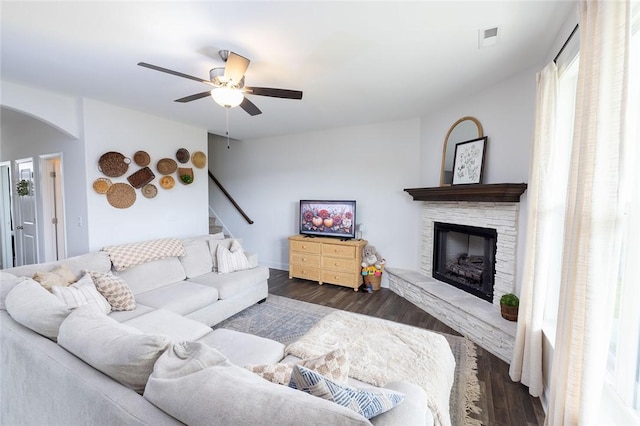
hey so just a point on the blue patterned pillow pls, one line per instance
(364, 402)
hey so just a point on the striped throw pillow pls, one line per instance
(232, 259)
(367, 403)
(83, 292)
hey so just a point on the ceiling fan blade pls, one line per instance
(235, 67)
(176, 73)
(274, 93)
(250, 107)
(194, 97)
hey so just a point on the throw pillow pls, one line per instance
(83, 292)
(34, 307)
(232, 259)
(333, 365)
(60, 276)
(115, 290)
(213, 249)
(367, 403)
(197, 259)
(121, 352)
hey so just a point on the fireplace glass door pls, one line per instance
(465, 257)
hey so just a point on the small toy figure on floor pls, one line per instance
(372, 265)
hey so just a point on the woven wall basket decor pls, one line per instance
(121, 195)
(166, 166)
(141, 158)
(113, 164)
(141, 177)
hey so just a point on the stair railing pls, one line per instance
(230, 198)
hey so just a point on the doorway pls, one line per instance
(7, 251)
(26, 232)
(53, 230)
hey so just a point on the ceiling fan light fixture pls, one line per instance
(227, 96)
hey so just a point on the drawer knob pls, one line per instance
(336, 264)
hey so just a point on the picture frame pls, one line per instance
(468, 161)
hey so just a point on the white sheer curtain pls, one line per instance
(591, 247)
(526, 365)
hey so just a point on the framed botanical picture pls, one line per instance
(468, 161)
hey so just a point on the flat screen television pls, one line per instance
(328, 218)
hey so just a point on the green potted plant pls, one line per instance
(509, 306)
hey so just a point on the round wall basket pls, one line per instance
(166, 166)
(113, 164)
(121, 195)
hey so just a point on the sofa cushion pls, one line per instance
(365, 402)
(229, 285)
(197, 385)
(197, 259)
(60, 276)
(115, 290)
(125, 256)
(34, 307)
(83, 292)
(333, 365)
(7, 283)
(242, 348)
(152, 275)
(123, 316)
(123, 353)
(412, 411)
(231, 259)
(182, 297)
(166, 323)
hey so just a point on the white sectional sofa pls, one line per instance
(78, 366)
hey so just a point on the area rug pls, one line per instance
(287, 320)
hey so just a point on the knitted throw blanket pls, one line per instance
(129, 255)
(382, 351)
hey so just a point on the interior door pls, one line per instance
(6, 219)
(26, 231)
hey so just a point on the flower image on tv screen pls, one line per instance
(328, 218)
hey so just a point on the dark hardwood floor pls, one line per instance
(503, 402)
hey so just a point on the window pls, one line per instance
(624, 355)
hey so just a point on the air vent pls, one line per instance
(487, 37)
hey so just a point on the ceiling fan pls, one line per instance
(228, 84)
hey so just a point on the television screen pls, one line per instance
(328, 218)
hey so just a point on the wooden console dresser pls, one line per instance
(326, 260)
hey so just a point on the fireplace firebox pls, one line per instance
(465, 257)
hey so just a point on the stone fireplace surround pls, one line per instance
(471, 316)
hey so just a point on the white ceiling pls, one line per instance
(356, 62)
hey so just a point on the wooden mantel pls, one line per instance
(492, 192)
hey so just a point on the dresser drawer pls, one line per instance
(340, 264)
(341, 278)
(305, 259)
(306, 247)
(335, 250)
(306, 272)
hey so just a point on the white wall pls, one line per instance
(507, 114)
(179, 212)
(371, 164)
